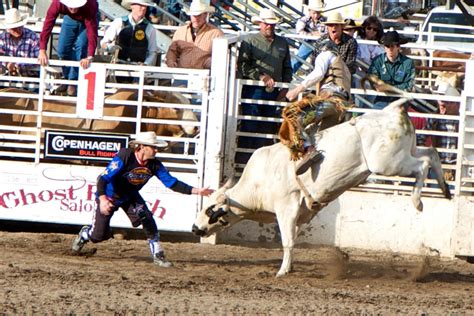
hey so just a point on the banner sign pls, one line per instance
(87, 146)
(65, 194)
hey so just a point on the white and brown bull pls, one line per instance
(381, 142)
(116, 126)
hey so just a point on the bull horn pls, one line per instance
(229, 183)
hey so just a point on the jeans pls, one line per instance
(72, 45)
(258, 93)
(304, 51)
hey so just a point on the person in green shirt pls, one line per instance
(392, 67)
(265, 57)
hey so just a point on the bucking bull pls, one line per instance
(12, 101)
(381, 142)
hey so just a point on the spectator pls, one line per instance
(118, 187)
(444, 125)
(371, 30)
(334, 78)
(265, 57)
(18, 41)
(191, 46)
(392, 67)
(309, 25)
(78, 37)
(152, 13)
(351, 27)
(134, 35)
(346, 44)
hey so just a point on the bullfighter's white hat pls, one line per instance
(148, 139)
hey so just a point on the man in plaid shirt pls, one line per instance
(346, 44)
(18, 41)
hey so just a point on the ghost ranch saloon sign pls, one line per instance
(83, 145)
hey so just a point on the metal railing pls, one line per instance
(26, 113)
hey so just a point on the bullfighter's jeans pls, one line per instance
(137, 212)
(72, 45)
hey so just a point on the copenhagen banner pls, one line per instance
(86, 146)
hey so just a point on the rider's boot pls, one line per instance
(311, 156)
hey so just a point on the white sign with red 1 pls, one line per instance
(90, 91)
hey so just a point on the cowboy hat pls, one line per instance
(334, 18)
(128, 3)
(266, 16)
(148, 139)
(445, 88)
(316, 5)
(73, 4)
(14, 19)
(350, 24)
(197, 7)
(392, 37)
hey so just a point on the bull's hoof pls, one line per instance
(418, 204)
(446, 191)
(281, 274)
(419, 207)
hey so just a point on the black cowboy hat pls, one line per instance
(392, 37)
(351, 24)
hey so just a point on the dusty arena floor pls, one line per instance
(39, 275)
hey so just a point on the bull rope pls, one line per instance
(308, 198)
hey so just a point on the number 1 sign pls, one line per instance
(90, 91)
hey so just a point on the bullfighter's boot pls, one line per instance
(160, 260)
(81, 239)
(157, 252)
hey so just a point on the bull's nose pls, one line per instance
(198, 232)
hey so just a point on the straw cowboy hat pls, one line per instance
(197, 7)
(334, 18)
(445, 88)
(316, 5)
(148, 139)
(14, 19)
(128, 3)
(266, 16)
(392, 37)
(73, 4)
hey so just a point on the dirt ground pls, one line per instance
(39, 275)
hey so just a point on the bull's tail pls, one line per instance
(384, 87)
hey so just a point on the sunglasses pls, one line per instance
(370, 28)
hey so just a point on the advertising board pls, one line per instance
(65, 194)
